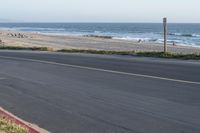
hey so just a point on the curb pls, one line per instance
(17, 121)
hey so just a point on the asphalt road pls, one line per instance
(84, 93)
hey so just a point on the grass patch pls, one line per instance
(7, 126)
(25, 48)
(97, 51)
(195, 56)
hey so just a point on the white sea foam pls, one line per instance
(184, 34)
(136, 39)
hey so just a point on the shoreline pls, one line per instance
(120, 39)
(56, 42)
(134, 40)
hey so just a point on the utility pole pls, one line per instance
(165, 34)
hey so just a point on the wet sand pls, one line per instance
(26, 39)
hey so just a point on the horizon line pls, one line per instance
(96, 22)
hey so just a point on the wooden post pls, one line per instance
(165, 34)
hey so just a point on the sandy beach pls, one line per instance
(26, 39)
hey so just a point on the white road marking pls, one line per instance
(103, 70)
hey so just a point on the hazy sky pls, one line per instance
(99, 10)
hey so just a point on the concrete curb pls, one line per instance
(18, 121)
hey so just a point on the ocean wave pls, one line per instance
(184, 34)
(178, 43)
(158, 41)
(99, 36)
(97, 32)
(38, 29)
(136, 39)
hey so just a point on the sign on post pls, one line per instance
(165, 34)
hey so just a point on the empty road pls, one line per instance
(84, 93)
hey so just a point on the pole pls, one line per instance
(165, 34)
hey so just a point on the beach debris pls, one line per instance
(19, 35)
(10, 34)
(2, 43)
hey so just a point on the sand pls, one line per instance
(16, 38)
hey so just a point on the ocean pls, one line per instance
(180, 34)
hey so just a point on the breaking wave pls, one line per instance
(184, 35)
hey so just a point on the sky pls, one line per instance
(99, 10)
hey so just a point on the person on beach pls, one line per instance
(139, 41)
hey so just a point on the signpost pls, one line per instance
(165, 34)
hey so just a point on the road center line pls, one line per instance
(101, 70)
